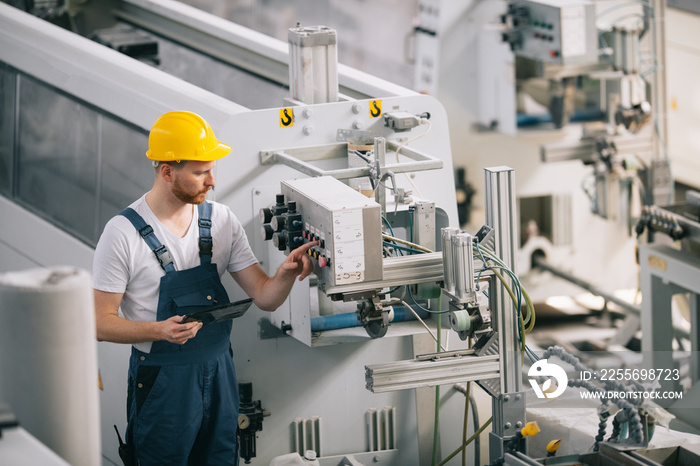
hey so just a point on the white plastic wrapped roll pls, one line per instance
(48, 359)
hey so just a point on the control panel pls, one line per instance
(345, 223)
(560, 32)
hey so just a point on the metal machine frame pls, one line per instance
(497, 363)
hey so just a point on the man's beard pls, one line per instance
(187, 197)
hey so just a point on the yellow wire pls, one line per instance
(520, 319)
(530, 307)
(464, 445)
(407, 243)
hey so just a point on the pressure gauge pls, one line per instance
(243, 421)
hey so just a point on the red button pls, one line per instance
(322, 261)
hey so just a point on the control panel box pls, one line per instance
(560, 32)
(347, 226)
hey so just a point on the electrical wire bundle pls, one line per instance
(490, 262)
(517, 293)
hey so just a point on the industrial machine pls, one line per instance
(589, 52)
(598, 62)
(322, 153)
(572, 95)
(669, 264)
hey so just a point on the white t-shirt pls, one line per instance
(124, 263)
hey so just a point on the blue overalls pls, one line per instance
(182, 404)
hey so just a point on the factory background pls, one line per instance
(594, 115)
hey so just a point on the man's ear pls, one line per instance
(166, 172)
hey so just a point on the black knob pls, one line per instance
(292, 206)
(245, 391)
(277, 223)
(279, 199)
(266, 231)
(265, 215)
(280, 242)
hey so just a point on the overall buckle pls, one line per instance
(163, 256)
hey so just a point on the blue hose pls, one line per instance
(349, 319)
(580, 115)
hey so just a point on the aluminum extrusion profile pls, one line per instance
(585, 149)
(430, 370)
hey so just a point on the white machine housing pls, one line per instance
(346, 223)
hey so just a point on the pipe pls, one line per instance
(349, 319)
(541, 262)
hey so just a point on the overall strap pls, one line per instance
(205, 240)
(146, 232)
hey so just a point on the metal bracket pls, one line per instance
(430, 370)
(299, 158)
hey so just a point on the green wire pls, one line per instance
(465, 444)
(528, 301)
(436, 429)
(520, 319)
(531, 312)
(516, 302)
(402, 248)
(389, 225)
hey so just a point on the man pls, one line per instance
(164, 257)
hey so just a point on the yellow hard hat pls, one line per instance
(177, 136)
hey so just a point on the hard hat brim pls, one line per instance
(221, 151)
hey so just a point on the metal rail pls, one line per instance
(431, 370)
(404, 270)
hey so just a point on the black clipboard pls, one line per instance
(219, 313)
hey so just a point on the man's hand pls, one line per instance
(298, 262)
(270, 292)
(175, 332)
